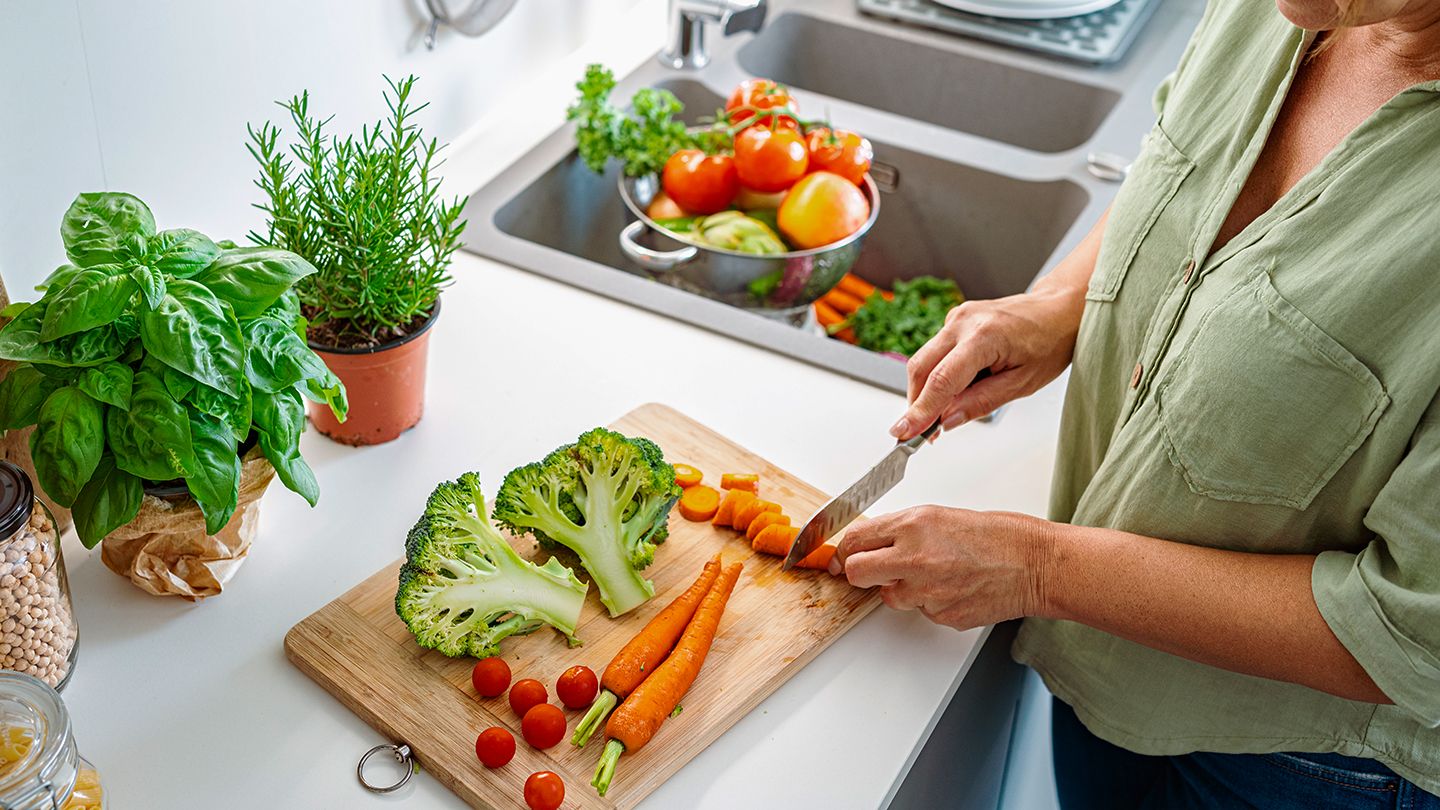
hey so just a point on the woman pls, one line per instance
(1238, 601)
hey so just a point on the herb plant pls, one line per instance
(366, 211)
(152, 355)
(903, 323)
(642, 139)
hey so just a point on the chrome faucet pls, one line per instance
(688, 18)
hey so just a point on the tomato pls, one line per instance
(820, 209)
(495, 746)
(662, 207)
(841, 152)
(700, 183)
(770, 159)
(544, 790)
(577, 687)
(762, 94)
(491, 677)
(750, 200)
(543, 726)
(526, 693)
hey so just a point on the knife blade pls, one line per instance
(861, 495)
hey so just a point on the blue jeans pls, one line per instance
(1092, 774)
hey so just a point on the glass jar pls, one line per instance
(40, 766)
(37, 625)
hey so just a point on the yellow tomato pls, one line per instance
(822, 208)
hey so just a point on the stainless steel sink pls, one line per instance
(981, 152)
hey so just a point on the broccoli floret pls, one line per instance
(606, 497)
(463, 589)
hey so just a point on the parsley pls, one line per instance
(644, 138)
(904, 323)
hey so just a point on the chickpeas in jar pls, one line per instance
(37, 625)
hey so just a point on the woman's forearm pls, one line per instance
(1248, 613)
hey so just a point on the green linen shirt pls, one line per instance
(1278, 395)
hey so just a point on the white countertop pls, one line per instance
(185, 705)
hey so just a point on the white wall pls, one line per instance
(152, 96)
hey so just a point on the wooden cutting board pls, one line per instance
(775, 623)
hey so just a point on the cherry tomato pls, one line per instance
(662, 207)
(544, 790)
(543, 726)
(491, 677)
(770, 159)
(820, 209)
(841, 152)
(700, 183)
(577, 687)
(526, 693)
(495, 746)
(762, 94)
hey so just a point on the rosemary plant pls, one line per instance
(366, 211)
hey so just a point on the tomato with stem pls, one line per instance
(495, 747)
(769, 159)
(841, 152)
(577, 687)
(754, 96)
(700, 183)
(544, 790)
(491, 677)
(526, 693)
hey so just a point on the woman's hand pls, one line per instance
(960, 568)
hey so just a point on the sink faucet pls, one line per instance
(686, 44)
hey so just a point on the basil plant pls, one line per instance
(154, 355)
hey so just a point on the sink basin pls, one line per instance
(1029, 109)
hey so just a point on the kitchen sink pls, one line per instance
(972, 94)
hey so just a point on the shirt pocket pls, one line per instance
(1261, 406)
(1150, 186)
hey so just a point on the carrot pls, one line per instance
(699, 503)
(775, 539)
(834, 322)
(842, 301)
(687, 476)
(644, 652)
(746, 481)
(765, 519)
(743, 517)
(632, 725)
(860, 288)
(734, 499)
(819, 558)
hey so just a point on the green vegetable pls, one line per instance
(463, 589)
(142, 362)
(642, 139)
(733, 230)
(904, 323)
(607, 498)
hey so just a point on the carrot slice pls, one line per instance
(765, 519)
(699, 503)
(743, 517)
(819, 558)
(747, 481)
(687, 476)
(775, 539)
(743, 498)
(725, 515)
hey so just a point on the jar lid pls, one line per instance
(17, 498)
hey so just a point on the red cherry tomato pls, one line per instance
(495, 746)
(700, 183)
(761, 94)
(577, 687)
(543, 726)
(526, 693)
(770, 159)
(544, 790)
(491, 677)
(841, 152)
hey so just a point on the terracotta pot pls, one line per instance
(385, 385)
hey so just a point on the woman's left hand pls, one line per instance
(960, 568)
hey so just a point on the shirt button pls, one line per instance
(1135, 375)
(1189, 271)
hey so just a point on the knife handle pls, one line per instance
(916, 442)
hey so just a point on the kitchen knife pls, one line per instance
(848, 505)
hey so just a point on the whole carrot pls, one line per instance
(643, 653)
(639, 717)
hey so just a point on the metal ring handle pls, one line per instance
(402, 756)
(648, 258)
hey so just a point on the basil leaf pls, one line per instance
(279, 419)
(192, 331)
(92, 298)
(152, 439)
(110, 500)
(60, 277)
(151, 283)
(276, 357)
(22, 392)
(102, 228)
(182, 252)
(68, 440)
(216, 482)
(15, 308)
(328, 390)
(235, 411)
(20, 340)
(286, 310)
(110, 383)
(253, 278)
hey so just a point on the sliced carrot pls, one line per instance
(743, 498)
(743, 517)
(775, 539)
(765, 519)
(819, 558)
(699, 503)
(842, 301)
(725, 515)
(747, 481)
(687, 476)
